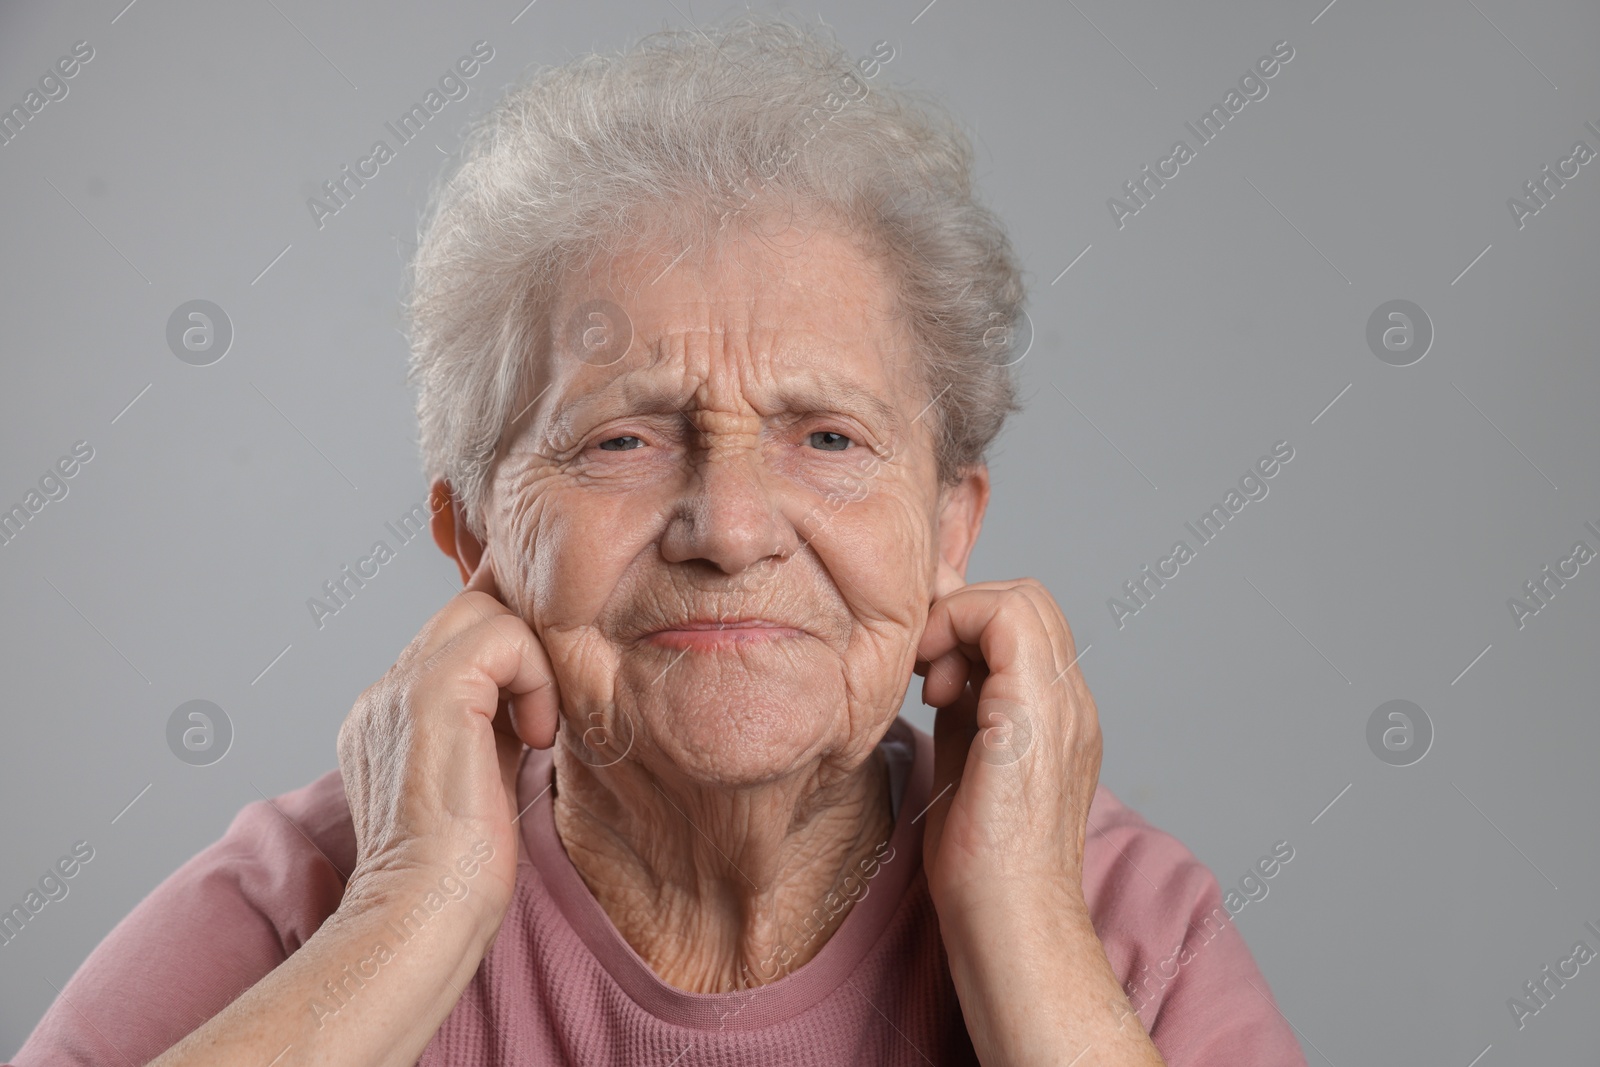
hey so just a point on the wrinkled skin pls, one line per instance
(764, 449)
(703, 513)
(712, 786)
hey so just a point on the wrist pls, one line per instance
(455, 907)
(1034, 981)
(1018, 937)
(1012, 911)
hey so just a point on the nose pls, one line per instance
(731, 514)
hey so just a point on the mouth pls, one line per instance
(711, 634)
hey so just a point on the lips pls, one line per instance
(725, 624)
(707, 634)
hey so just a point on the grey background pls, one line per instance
(1227, 315)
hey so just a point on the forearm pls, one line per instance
(1036, 988)
(369, 988)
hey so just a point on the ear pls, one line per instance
(450, 530)
(961, 509)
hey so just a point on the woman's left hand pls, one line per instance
(1016, 763)
(1016, 741)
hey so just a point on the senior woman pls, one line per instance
(704, 336)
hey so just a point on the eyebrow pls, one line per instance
(817, 393)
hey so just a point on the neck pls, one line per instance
(721, 889)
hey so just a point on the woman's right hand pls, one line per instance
(430, 755)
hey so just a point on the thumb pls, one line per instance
(945, 582)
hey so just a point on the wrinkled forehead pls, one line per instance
(798, 321)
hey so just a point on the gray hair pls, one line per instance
(664, 140)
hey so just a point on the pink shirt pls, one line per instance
(559, 984)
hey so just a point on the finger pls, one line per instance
(504, 718)
(1005, 629)
(529, 715)
(958, 716)
(479, 600)
(499, 662)
(945, 581)
(946, 679)
(1054, 621)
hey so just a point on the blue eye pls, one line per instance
(830, 441)
(613, 446)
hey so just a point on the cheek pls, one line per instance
(535, 524)
(562, 553)
(516, 514)
(880, 552)
(558, 574)
(884, 544)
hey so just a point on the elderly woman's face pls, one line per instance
(728, 539)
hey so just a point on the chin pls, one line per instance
(737, 735)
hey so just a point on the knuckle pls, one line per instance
(1018, 599)
(510, 625)
(428, 666)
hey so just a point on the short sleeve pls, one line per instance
(212, 929)
(1174, 947)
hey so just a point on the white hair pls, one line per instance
(664, 140)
